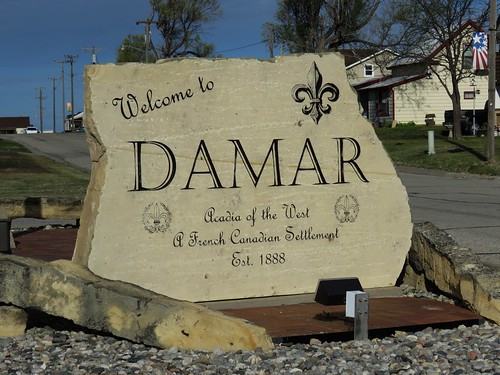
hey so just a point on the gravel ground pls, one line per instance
(463, 350)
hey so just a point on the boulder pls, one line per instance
(12, 321)
(65, 289)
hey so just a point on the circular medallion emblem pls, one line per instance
(347, 208)
(156, 218)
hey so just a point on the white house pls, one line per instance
(408, 91)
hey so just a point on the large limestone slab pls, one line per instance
(236, 178)
(67, 290)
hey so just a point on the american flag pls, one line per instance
(480, 50)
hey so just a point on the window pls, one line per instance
(467, 57)
(368, 70)
(382, 104)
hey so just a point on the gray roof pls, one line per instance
(390, 82)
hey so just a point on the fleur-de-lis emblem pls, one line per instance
(156, 218)
(316, 92)
(347, 209)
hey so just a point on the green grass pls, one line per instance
(408, 146)
(23, 175)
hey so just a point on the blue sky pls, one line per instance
(36, 33)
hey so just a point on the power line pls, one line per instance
(242, 47)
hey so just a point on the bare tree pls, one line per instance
(180, 24)
(436, 33)
(322, 25)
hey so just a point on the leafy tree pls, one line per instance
(133, 49)
(180, 26)
(419, 27)
(321, 25)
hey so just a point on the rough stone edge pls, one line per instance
(436, 260)
(98, 156)
(66, 289)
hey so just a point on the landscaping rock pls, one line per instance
(65, 289)
(435, 259)
(12, 321)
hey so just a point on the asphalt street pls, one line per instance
(467, 207)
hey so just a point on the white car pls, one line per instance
(31, 130)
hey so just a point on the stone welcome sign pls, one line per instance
(237, 178)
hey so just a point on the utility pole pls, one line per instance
(492, 48)
(53, 79)
(63, 98)
(93, 51)
(147, 37)
(71, 60)
(40, 98)
(270, 41)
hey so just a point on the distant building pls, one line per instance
(400, 89)
(13, 125)
(76, 124)
(364, 65)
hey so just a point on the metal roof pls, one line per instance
(391, 82)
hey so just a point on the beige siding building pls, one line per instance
(406, 90)
(416, 99)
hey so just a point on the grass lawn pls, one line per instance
(408, 146)
(23, 175)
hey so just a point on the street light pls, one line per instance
(143, 53)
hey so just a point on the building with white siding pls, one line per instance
(406, 90)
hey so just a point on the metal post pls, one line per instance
(473, 84)
(361, 317)
(492, 45)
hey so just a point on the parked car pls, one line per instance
(467, 119)
(31, 130)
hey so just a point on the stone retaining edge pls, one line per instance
(435, 260)
(43, 208)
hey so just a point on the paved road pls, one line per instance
(466, 207)
(70, 148)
